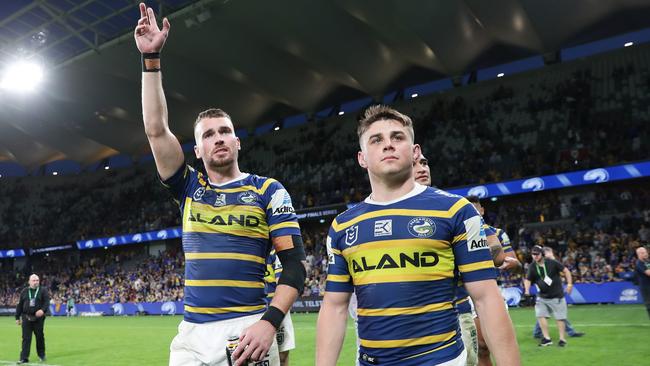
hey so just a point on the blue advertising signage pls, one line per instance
(12, 253)
(164, 234)
(556, 181)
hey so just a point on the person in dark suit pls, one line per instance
(30, 313)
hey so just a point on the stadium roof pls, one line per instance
(260, 60)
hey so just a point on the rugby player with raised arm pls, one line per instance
(231, 221)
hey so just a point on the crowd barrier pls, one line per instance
(583, 293)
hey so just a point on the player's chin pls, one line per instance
(221, 162)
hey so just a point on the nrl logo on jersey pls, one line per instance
(198, 194)
(351, 234)
(247, 198)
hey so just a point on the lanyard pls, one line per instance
(29, 293)
(544, 267)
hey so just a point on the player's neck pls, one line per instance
(385, 190)
(224, 174)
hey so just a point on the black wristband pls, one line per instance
(274, 316)
(151, 62)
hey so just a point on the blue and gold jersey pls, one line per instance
(273, 272)
(504, 239)
(227, 231)
(403, 260)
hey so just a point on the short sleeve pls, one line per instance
(469, 244)
(178, 183)
(505, 242)
(338, 274)
(280, 213)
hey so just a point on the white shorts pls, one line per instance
(205, 343)
(285, 335)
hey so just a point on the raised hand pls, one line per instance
(148, 37)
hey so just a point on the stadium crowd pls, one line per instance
(571, 116)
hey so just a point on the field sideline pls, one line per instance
(616, 335)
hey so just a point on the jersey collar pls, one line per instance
(419, 188)
(242, 176)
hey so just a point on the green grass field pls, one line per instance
(616, 335)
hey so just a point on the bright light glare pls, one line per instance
(22, 76)
(341, 113)
(500, 75)
(414, 95)
(628, 44)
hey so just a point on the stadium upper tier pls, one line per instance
(581, 114)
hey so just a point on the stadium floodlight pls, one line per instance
(628, 44)
(414, 95)
(500, 75)
(55, 173)
(341, 113)
(106, 167)
(22, 76)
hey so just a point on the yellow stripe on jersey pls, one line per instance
(430, 351)
(464, 299)
(405, 260)
(259, 191)
(446, 214)
(234, 309)
(284, 225)
(406, 311)
(404, 244)
(236, 256)
(239, 220)
(458, 238)
(335, 251)
(475, 266)
(369, 279)
(409, 342)
(338, 278)
(224, 283)
(270, 294)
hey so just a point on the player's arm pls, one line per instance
(475, 265)
(256, 340)
(331, 327)
(496, 250)
(167, 151)
(495, 322)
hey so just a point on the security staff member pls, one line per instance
(30, 312)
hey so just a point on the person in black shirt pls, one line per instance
(30, 313)
(545, 273)
(642, 270)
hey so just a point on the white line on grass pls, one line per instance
(3, 362)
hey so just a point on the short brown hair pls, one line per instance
(211, 113)
(380, 112)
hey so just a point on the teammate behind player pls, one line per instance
(504, 257)
(401, 251)
(230, 222)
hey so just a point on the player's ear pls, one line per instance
(197, 152)
(238, 144)
(361, 158)
(417, 150)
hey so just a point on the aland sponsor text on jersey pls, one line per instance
(226, 239)
(405, 281)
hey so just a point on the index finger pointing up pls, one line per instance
(143, 10)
